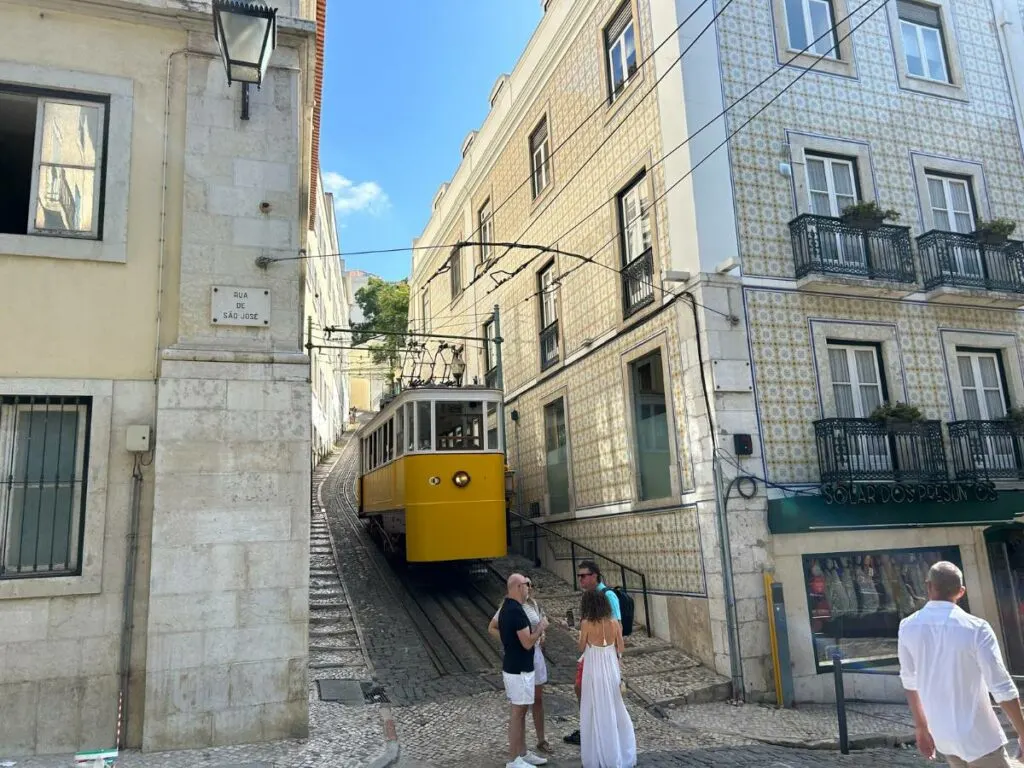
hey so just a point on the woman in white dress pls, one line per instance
(607, 739)
(540, 667)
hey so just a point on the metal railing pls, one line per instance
(523, 531)
(824, 244)
(638, 283)
(960, 261)
(859, 450)
(549, 346)
(987, 450)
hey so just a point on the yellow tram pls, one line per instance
(432, 478)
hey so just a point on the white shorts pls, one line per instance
(519, 688)
(540, 666)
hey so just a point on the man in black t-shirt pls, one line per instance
(518, 640)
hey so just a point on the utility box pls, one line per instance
(139, 438)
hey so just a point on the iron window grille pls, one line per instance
(987, 450)
(958, 260)
(44, 459)
(864, 450)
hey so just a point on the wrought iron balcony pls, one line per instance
(987, 450)
(638, 283)
(863, 450)
(827, 245)
(491, 378)
(959, 261)
(549, 346)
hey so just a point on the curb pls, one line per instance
(867, 741)
(388, 757)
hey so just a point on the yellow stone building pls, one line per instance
(692, 355)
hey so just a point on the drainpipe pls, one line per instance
(128, 607)
(731, 617)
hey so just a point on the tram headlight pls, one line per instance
(461, 478)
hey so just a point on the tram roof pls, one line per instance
(430, 392)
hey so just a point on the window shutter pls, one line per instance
(619, 23)
(917, 13)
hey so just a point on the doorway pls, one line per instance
(1006, 559)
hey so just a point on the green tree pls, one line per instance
(386, 308)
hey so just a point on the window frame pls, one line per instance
(540, 147)
(637, 184)
(631, 383)
(490, 356)
(851, 348)
(119, 93)
(103, 104)
(425, 308)
(786, 53)
(830, 161)
(485, 224)
(1004, 384)
(918, 26)
(954, 88)
(619, 43)
(834, 53)
(10, 408)
(946, 179)
(455, 273)
(561, 398)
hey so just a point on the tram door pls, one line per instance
(1006, 558)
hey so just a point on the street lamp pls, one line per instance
(246, 33)
(458, 368)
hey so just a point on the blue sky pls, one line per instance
(405, 81)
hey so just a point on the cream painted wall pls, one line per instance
(76, 318)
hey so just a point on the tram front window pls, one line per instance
(425, 437)
(460, 426)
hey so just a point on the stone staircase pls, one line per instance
(660, 675)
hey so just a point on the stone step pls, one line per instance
(329, 615)
(331, 659)
(317, 604)
(333, 644)
(695, 685)
(656, 662)
(331, 629)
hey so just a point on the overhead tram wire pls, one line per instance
(600, 105)
(621, 270)
(833, 30)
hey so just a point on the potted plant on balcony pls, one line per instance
(897, 414)
(994, 232)
(868, 216)
(1016, 417)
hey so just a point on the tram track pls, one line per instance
(449, 611)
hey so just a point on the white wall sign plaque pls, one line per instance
(230, 305)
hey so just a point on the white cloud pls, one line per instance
(365, 197)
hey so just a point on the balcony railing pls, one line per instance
(638, 283)
(863, 450)
(827, 245)
(959, 261)
(987, 450)
(549, 346)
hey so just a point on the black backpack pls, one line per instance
(626, 607)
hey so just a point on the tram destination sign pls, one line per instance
(233, 305)
(947, 492)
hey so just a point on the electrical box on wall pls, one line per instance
(743, 445)
(139, 438)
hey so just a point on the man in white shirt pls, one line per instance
(949, 664)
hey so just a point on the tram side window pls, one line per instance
(389, 442)
(424, 426)
(410, 438)
(400, 431)
(492, 427)
(460, 426)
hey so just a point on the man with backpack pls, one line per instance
(589, 574)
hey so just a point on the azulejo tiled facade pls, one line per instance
(748, 368)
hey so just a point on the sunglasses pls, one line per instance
(584, 575)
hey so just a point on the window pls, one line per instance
(810, 26)
(455, 268)
(425, 302)
(950, 199)
(620, 42)
(43, 463)
(540, 162)
(856, 601)
(856, 379)
(921, 33)
(636, 220)
(650, 411)
(981, 383)
(831, 184)
(424, 426)
(51, 160)
(460, 426)
(400, 431)
(637, 257)
(556, 457)
(485, 223)
(548, 316)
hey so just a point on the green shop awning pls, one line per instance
(806, 514)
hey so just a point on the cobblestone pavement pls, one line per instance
(340, 735)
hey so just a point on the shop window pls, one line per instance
(857, 600)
